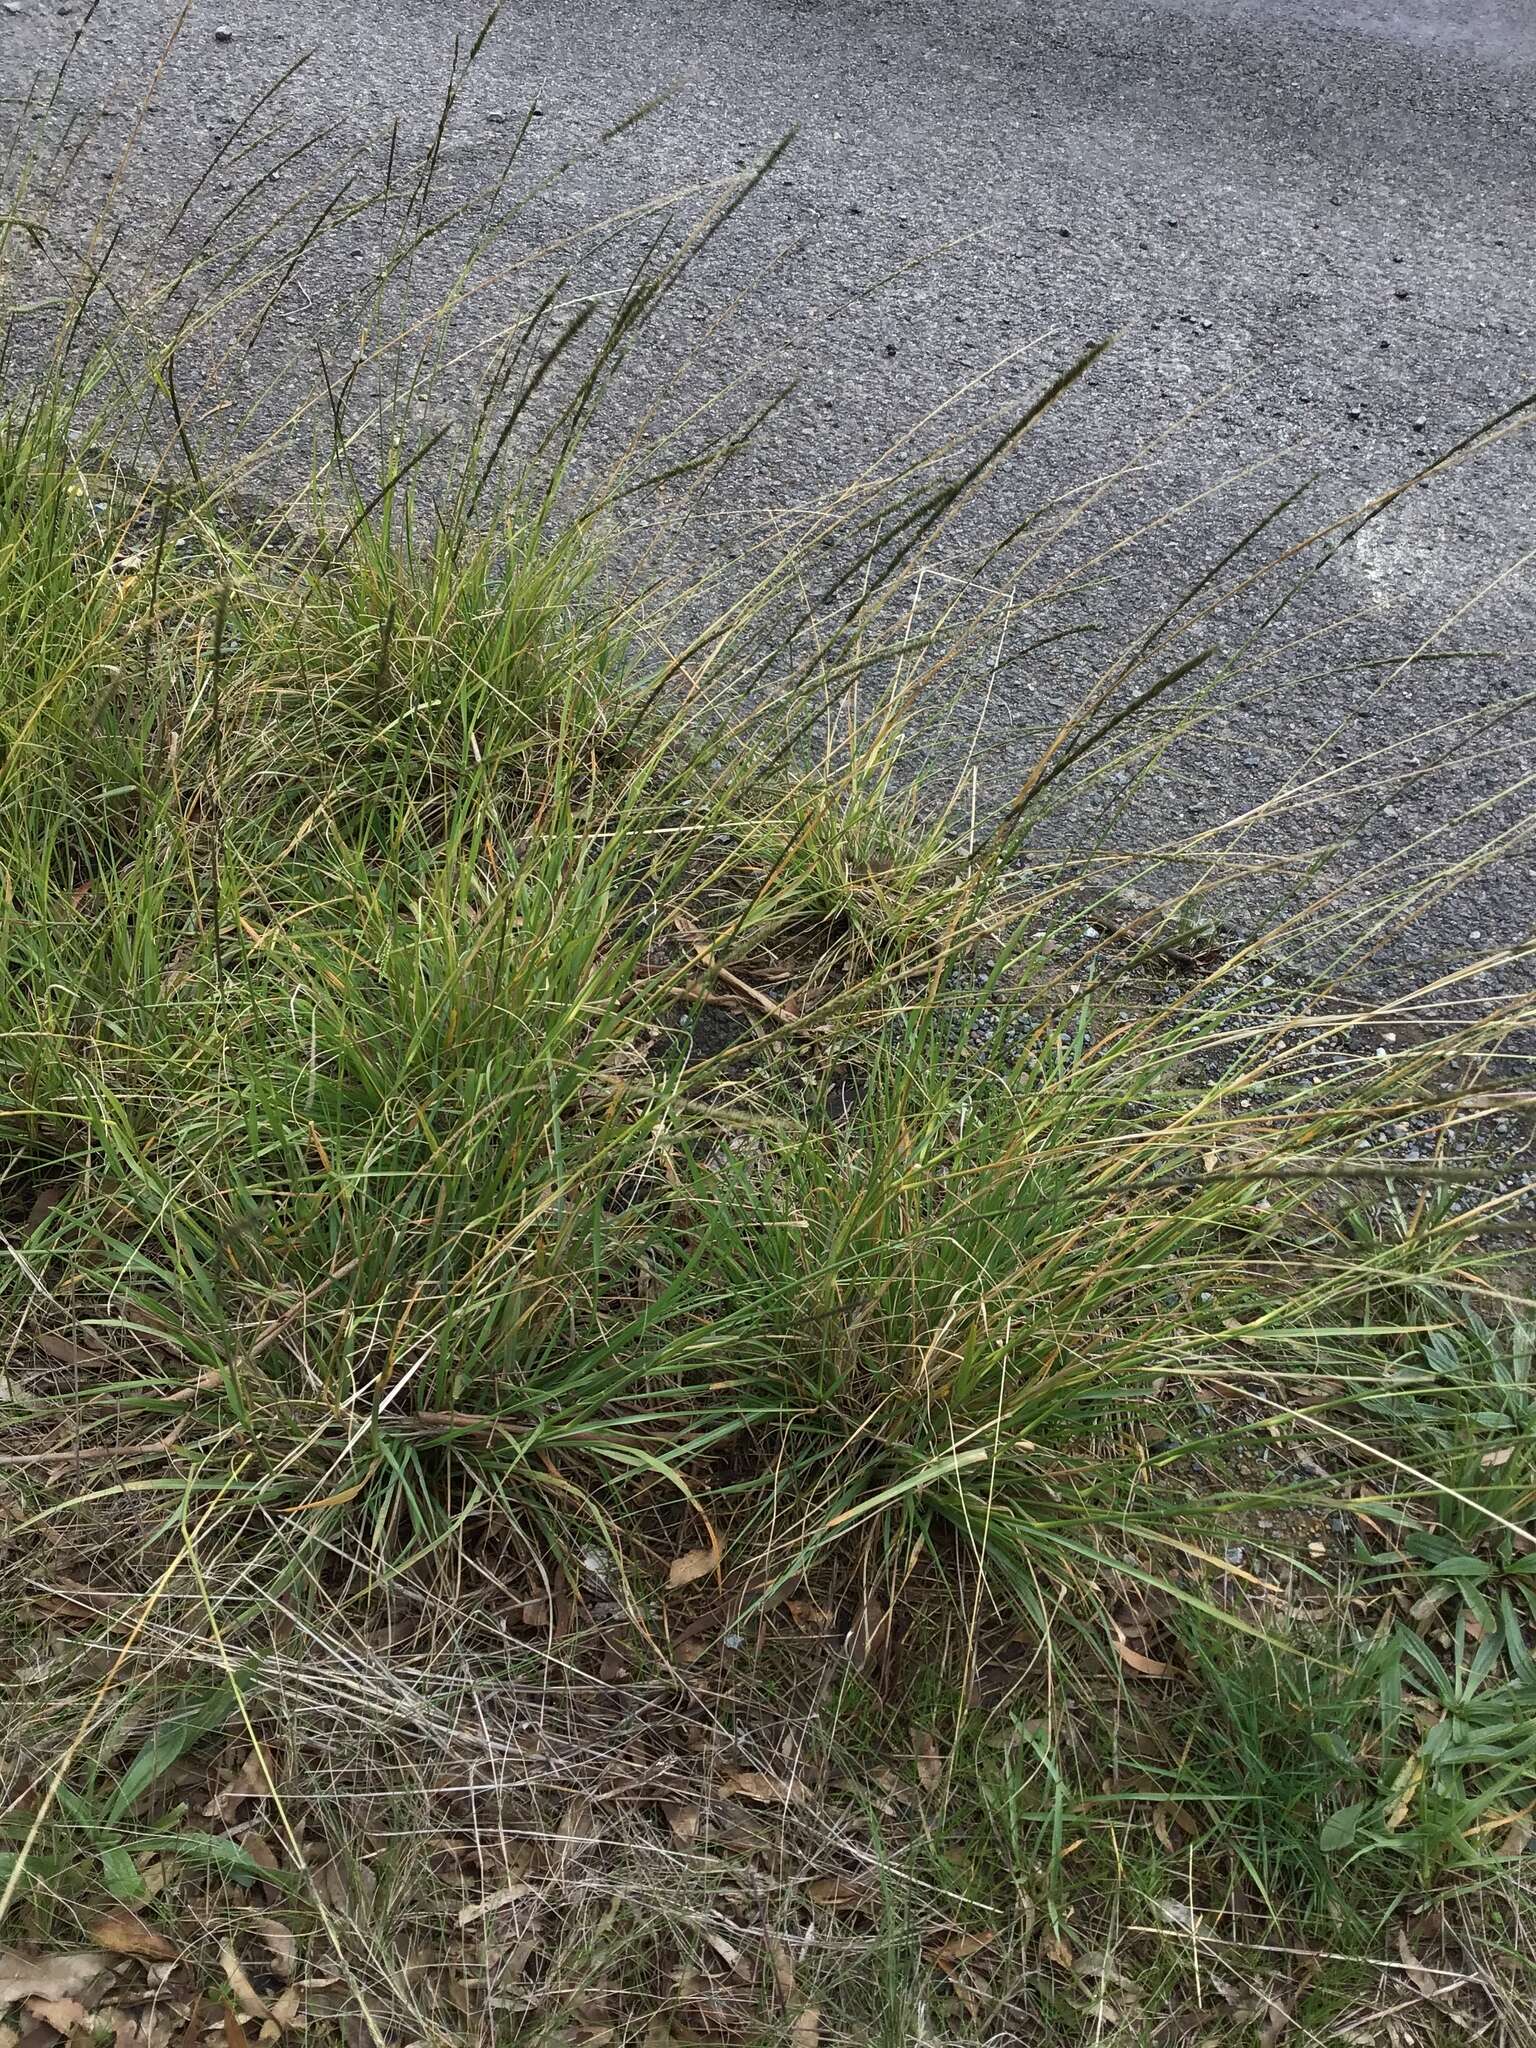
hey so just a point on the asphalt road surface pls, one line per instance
(1314, 221)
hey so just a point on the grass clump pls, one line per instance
(474, 1166)
(652, 1395)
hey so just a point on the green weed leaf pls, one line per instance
(1341, 1828)
(168, 1744)
(120, 1875)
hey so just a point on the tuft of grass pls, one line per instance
(649, 1387)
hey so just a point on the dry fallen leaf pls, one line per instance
(578, 1828)
(285, 2008)
(1097, 1968)
(948, 1958)
(930, 1764)
(1276, 2023)
(1165, 1819)
(493, 1903)
(760, 1788)
(1134, 1660)
(64, 1350)
(728, 1953)
(249, 1782)
(1179, 1913)
(250, 2001)
(692, 1566)
(839, 1893)
(234, 2034)
(958, 1948)
(683, 1821)
(330, 1880)
(805, 2027)
(63, 1976)
(125, 1934)
(281, 1944)
(270, 1890)
(1424, 1981)
(66, 2016)
(1405, 1788)
(870, 1636)
(783, 1964)
(810, 1615)
(46, 1200)
(1516, 1836)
